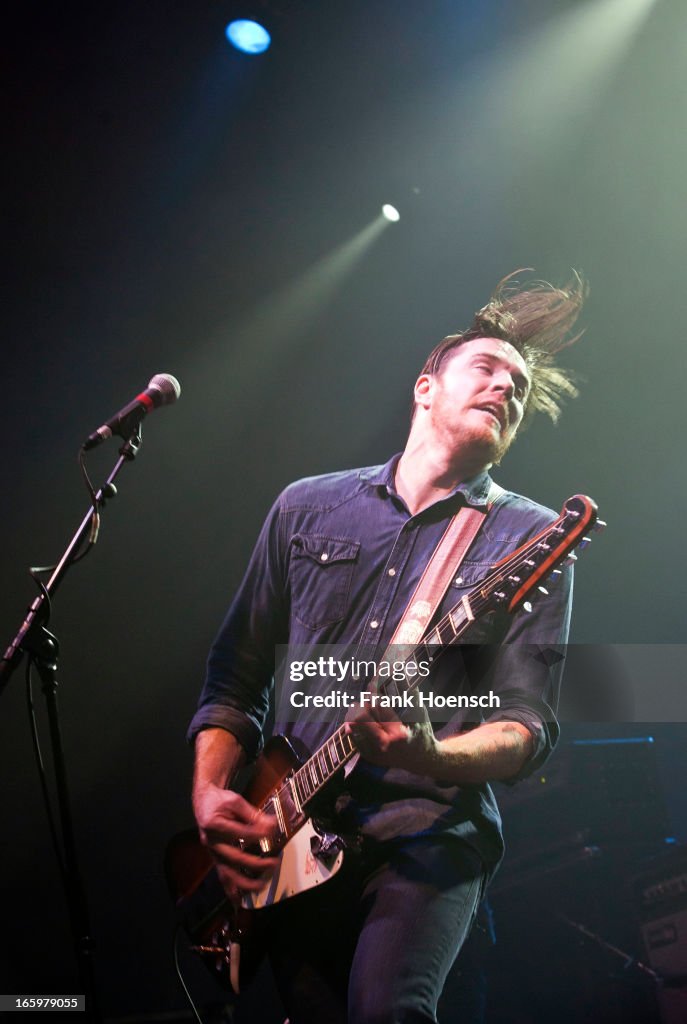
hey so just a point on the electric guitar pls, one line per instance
(227, 933)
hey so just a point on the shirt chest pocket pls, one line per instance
(321, 576)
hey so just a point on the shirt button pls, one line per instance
(324, 556)
(458, 580)
(392, 572)
(374, 624)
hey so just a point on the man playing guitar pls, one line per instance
(337, 562)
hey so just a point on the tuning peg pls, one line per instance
(555, 576)
(543, 590)
(584, 544)
(527, 607)
(571, 559)
(599, 525)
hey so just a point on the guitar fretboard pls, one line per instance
(318, 769)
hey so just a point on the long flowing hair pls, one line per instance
(538, 321)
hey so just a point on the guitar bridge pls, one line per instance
(222, 953)
(219, 947)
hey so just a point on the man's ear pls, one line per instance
(422, 392)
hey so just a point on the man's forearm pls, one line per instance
(219, 756)
(495, 750)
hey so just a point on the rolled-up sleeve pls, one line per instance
(526, 669)
(240, 667)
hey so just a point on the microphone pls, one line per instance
(162, 390)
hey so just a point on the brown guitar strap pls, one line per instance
(441, 569)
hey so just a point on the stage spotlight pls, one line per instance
(390, 212)
(248, 36)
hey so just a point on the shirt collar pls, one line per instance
(475, 491)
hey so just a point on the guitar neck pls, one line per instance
(313, 775)
(340, 748)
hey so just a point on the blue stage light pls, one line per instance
(615, 739)
(248, 36)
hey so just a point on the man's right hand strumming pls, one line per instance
(229, 826)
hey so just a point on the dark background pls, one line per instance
(172, 205)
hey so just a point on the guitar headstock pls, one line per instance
(518, 575)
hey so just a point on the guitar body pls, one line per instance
(229, 935)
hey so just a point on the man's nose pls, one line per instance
(504, 382)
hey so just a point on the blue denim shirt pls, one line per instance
(337, 562)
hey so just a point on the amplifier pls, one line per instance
(665, 939)
(661, 898)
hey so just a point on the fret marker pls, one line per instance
(293, 789)
(276, 803)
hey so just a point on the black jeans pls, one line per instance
(374, 944)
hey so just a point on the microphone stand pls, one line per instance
(42, 648)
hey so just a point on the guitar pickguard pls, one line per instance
(299, 869)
